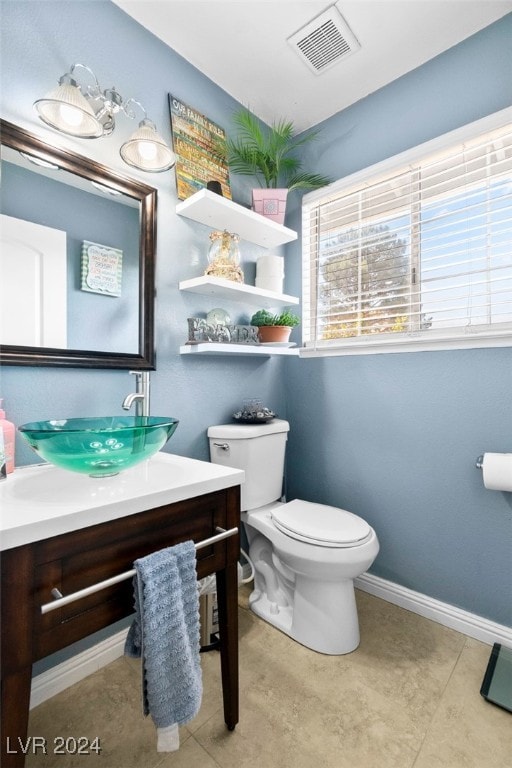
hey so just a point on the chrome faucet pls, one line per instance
(141, 395)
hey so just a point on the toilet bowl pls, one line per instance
(305, 555)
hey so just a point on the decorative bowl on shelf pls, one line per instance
(253, 412)
(99, 446)
(253, 419)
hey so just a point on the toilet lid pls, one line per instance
(321, 525)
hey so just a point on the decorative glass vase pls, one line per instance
(224, 256)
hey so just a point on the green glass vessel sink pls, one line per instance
(99, 446)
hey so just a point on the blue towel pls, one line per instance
(165, 633)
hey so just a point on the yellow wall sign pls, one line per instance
(198, 144)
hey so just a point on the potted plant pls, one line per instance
(269, 153)
(274, 328)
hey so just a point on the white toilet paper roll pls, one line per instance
(497, 470)
(270, 283)
(270, 265)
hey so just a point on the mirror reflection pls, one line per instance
(76, 263)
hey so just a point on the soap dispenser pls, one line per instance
(8, 432)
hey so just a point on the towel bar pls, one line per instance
(60, 601)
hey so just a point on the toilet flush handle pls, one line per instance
(222, 446)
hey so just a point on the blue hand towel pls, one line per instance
(165, 632)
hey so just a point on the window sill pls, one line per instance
(366, 347)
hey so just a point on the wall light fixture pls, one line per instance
(88, 112)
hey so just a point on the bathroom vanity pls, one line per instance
(63, 531)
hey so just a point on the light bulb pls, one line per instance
(147, 150)
(70, 115)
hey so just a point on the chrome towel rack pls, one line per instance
(61, 600)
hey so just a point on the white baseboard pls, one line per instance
(443, 613)
(60, 677)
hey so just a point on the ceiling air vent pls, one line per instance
(324, 41)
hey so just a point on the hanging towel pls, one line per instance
(165, 634)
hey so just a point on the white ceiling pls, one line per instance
(242, 46)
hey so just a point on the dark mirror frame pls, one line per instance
(144, 359)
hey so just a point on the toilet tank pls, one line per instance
(259, 450)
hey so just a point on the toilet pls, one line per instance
(305, 555)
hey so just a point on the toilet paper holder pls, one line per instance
(496, 471)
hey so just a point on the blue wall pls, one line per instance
(83, 216)
(391, 437)
(394, 437)
(40, 41)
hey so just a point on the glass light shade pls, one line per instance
(38, 161)
(146, 150)
(67, 110)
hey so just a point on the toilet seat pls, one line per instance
(321, 525)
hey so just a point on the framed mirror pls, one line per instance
(77, 258)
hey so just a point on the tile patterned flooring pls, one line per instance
(408, 697)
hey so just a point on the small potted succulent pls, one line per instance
(274, 328)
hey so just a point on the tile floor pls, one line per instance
(408, 697)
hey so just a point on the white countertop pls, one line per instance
(40, 501)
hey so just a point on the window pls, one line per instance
(415, 252)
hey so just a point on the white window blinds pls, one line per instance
(422, 251)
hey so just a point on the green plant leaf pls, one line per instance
(264, 317)
(266, 152)
(307, 181)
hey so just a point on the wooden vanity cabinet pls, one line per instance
(79, 559)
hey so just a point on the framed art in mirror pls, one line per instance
(54, 201)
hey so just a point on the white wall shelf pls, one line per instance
(255, 350)
(229, 290)
(218, 212)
